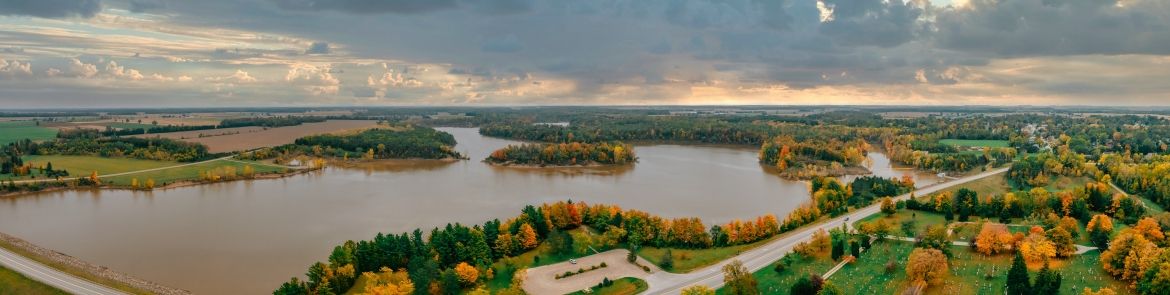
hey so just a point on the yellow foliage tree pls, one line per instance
(134, 183)
(1102, 291)
(993, 238)
(528, 237)
(1129, 255)
(468, 275)
(387, 282)
(926, 265)
(1037, 248)
(150, 183)
(1149, 228)
(698, 290)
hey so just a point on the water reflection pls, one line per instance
(247, 237)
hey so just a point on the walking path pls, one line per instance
(760, 257)
(51, 276)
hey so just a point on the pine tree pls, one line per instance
(1047, 281)
(1018, 282)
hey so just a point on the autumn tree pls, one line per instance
(926, 265)
(1102, 291)
(1129, 255)
(1099, 228)
(388, 282)
(527, 237)
(1156, 280)
(1036, 248)
(993, 238)
(1062, 240)
(468, 275)
(810, 284)
(888, 206)
(1149, 228)
(738, 280)
(698, 290)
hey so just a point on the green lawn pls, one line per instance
(771, 282)
(12, 282)
(84, 165)
(922, 219)
(975, 143)
(191, 172)
(971, 272)
(623, 286)
(687, 260)
(12, 131)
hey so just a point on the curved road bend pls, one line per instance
(669, 283)
(52, 277)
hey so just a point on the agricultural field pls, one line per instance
(247, 138)
(191, 172)
(11, 131)
(975, 143)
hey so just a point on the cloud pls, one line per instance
(238, 77)
(369, 6)
(318, 48)
(507, 44)
(317, 80)
(1068, 27)
(15, 69)
(872, 22)
(140, 6)
(51, 8)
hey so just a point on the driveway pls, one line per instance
(542, 280)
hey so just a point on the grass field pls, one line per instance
(623, 286)
(974, 143)
(166, 176)
(771, 282)
(12, 131)
(12, 282)
(687, 260)
(971, 272)
(922, 219)
(84, 165)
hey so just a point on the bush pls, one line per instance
(780, 267)
(646, 268)
(891, 267)
(604, 265)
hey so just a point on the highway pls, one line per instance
(52, 277)
(670, 283)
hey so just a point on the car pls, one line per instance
(572, 261)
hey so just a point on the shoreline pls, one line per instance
(69, 264)
(173, 185)
(541, 166)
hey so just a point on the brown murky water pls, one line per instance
(248, 237)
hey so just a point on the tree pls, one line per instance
(888, 206)
(293, 287)
(389, 282)
(1047, 281)
(738, 280)
(1100, 227)
(528, 237)
(1102, 291)
(993, 238)
(631, 256)
(698, 290)
(935, 238)
(810, 284)
(1037, 248)
(449, 282)
(667, 260)
(829, 289)
(855, 247)
(468, 275)
(1156, 280)
(1149, 228)
(1018, 282)
(926, 265)
(965, 204)
(1129, 256)
(1063, 241)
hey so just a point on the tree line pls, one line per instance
(395, 142)
(565, 154)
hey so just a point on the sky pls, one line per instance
(206, 53)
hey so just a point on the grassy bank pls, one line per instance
(71, 270)
(623, 286)
(191, 172)
(80, 166)
(12, 282)
(772, 282)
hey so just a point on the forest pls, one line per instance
(564, 154)
(393, 142)
(457, 258)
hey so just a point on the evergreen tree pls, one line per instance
(1047, 281)
(292, 287)
(667, 260)
(855, 248)
(1018, 282)
(449, 282)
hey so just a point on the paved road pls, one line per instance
(51, 276)
(763, 256)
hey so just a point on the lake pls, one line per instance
(248, 237)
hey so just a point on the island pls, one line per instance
(574, 154)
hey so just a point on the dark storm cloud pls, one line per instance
(51, 8)
(1051, 27)
(873, 22)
